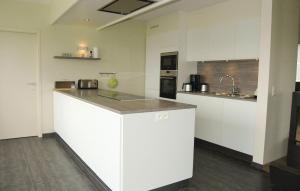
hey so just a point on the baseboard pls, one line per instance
(225, 151)
(99, 184)
(48, 135)
(258, 167)
(176, 186)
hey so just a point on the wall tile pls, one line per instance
(245, 74)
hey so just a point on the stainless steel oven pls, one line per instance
(169, 61)
(168, 84)
(168, 75)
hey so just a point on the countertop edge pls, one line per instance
(87, 101)
(220, 96)
(187, 106)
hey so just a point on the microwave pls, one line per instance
(169, 61)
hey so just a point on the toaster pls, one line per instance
(87, 84)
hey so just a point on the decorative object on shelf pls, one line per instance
(66, 54)
(76, 58)
(95, 52)
(82, 50)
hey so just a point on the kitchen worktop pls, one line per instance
(138, 104)
(240, 97)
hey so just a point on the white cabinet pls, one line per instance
(238, 124)
(198, 44)
(226, 122)
(208, 117)
(225, 31)
(247, 39)
(162, 36)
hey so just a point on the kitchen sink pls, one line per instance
(224, 94)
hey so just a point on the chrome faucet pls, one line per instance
(234, 89)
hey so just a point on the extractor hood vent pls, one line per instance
(125, 7)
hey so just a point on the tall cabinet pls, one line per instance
(162, 36)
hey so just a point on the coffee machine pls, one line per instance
(195, 81)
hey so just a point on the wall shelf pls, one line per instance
(76, 58)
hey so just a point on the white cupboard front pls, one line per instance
(226, 122)
(225, 31)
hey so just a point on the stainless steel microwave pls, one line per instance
(169, 61)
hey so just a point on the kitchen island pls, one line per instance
(131, 143)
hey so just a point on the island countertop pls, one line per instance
(126, 106)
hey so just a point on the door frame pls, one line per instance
(37, 75)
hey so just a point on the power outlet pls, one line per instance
(161, 116)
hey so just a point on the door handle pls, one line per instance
(31, 84)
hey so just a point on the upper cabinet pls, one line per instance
(225, 31)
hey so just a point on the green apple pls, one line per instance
(112, 83)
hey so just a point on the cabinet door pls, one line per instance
(225, 31)
(152, 66)
(198, 44)
(209, 119)
(208, 116)
(223, 41)
(239, 121)
(247, 39)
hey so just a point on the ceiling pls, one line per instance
(35, 1)
(85, 12)
(181, 5)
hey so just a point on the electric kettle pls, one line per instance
(187, 87)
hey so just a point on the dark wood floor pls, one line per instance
(33, 164)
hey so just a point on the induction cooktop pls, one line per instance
(120, 96)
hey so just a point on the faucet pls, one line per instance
(234, 89)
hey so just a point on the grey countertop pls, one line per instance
(242, 98)
(126, 106)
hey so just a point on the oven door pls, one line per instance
(168, 87)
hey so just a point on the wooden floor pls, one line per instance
(33, 164)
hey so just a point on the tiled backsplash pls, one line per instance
(245, 74)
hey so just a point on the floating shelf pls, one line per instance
(76, 58)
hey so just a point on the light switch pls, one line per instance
(273, 91)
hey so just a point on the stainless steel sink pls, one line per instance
(223, 94)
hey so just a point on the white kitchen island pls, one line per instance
(132, 145)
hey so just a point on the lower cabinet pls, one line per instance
(226, 122)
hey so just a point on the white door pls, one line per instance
(18, 97)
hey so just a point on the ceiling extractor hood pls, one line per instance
(152, 4)
(125, 7)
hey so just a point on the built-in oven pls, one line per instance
(169, 61)
(168, 84)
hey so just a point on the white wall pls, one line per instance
(122, 49)
(23, 16)
(298, 64)
(299, 34)
(277, 73)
